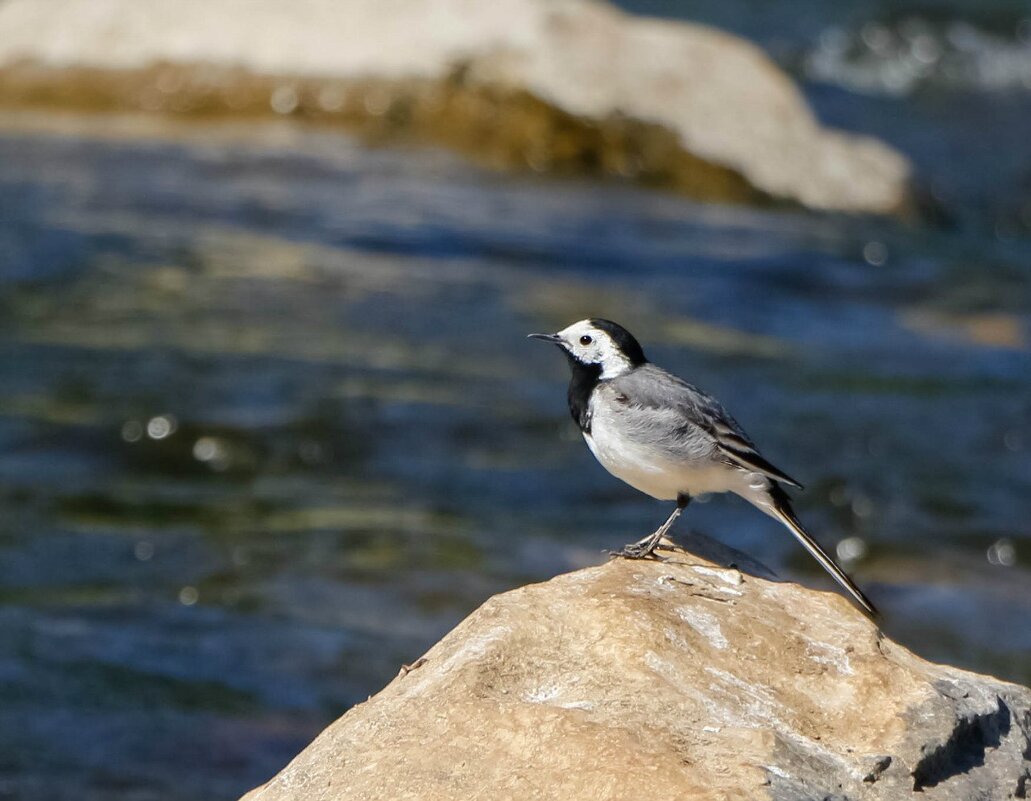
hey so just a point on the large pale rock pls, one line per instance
(681, 680)
(578, 84)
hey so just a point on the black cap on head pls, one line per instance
(624, 340)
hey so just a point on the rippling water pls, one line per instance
(870, 46)
(269, 425)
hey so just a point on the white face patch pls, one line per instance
(591, 345)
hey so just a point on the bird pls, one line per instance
(669, 439)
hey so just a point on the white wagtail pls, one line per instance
(668, 439)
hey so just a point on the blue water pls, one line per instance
(269, 425)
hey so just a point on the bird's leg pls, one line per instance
(646, 546)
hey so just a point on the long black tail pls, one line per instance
(781, 509)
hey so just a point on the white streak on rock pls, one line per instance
(705, 624)
(826, 653)
(731, 577)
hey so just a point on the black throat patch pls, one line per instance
(582, 382)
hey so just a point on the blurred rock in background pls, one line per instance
(558, 86)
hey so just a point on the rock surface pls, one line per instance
(557, 85)
(683, 679)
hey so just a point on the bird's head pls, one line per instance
(599, 344)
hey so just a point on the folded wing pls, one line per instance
(695, 414)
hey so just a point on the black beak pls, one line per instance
(554, 339)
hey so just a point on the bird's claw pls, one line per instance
(635, 550)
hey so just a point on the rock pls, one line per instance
(681, 679)
(564, 86)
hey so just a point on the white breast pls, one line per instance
(651, 471)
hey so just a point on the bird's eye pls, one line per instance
(585, 340)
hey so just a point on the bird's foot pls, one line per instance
(637, 550)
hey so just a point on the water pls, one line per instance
(269, 425)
